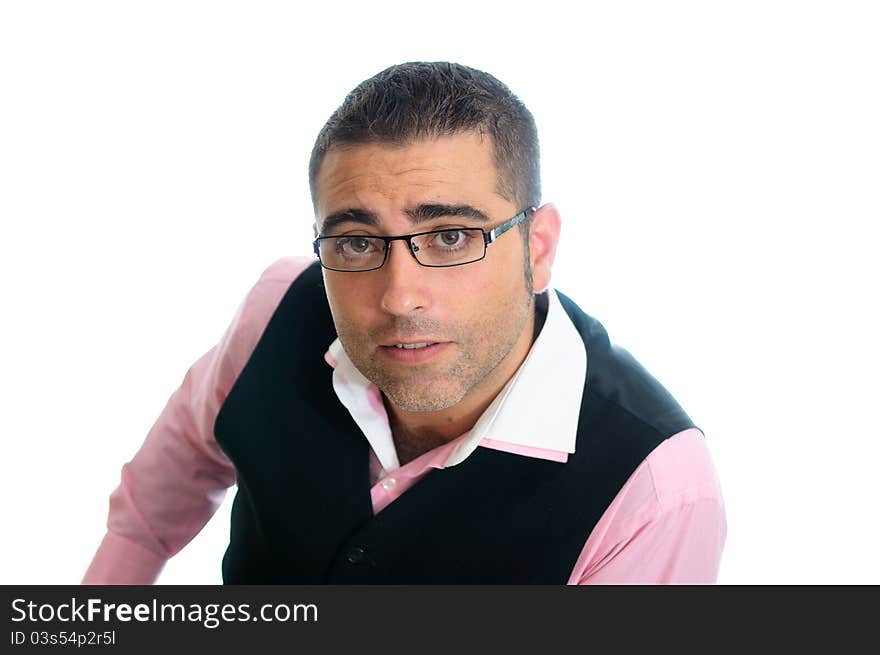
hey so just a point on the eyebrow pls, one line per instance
(420, 214)
(349, 216)
(428, 212)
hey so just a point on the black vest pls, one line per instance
(303, 512)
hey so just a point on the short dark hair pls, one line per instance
(431, 99)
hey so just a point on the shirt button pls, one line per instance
(356, 555)
(388, 484)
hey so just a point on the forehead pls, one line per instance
(385, 178)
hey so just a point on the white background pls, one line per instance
(716, 166)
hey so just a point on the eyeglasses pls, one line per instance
(357, 253)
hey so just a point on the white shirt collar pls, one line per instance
(539, 407)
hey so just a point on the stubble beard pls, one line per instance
(424, 390)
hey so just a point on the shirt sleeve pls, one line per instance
(667, 525)
(179, 476)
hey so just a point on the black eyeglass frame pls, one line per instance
(488, 237)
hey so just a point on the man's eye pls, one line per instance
(354, 245)
(450, 238)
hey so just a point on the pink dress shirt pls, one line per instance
(667, 525)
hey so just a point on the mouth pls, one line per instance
(413, 346)
(414, 352)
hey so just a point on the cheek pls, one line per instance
(343, 297)
(483, 299)
(507, 274)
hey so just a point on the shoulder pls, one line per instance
(267, 292)
(285, 270)
(682, 470)
(666, 524)
(677, 474)
(258, 307)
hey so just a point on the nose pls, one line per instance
(405, 285)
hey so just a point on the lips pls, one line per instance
(411, 342)
(414, 352)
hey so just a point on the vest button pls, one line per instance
(357, 555)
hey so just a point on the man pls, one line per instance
(418, 405)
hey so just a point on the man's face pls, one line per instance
(479, 315)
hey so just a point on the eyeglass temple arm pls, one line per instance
(496, 232)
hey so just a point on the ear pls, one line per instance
(315, 229)
(543, 239)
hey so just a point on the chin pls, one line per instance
(422, 399)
